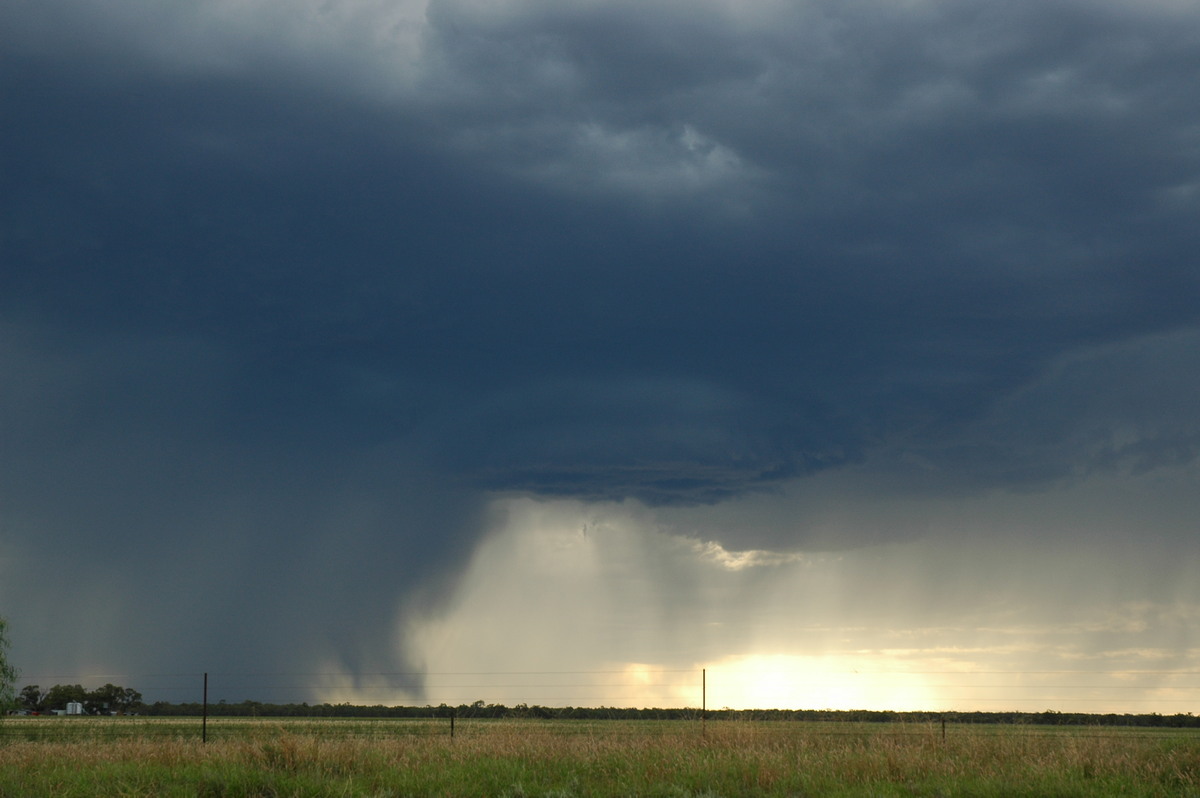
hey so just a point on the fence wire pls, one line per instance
(663, 694)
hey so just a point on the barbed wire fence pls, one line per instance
(686, 694)
(1102, 691)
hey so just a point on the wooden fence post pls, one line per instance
(204, 715)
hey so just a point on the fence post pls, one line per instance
(204, 714)
(704, 702)
(453, 712)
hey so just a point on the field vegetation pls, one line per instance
(131, 756)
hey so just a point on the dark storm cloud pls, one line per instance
(303, 281)
(192, 545)
(934, 203)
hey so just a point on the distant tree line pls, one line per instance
(107, 700)
(479, 709)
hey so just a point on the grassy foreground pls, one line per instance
(141, 757)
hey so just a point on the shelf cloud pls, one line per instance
(299, 299)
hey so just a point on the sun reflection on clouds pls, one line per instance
(737, 560)
(573, 604)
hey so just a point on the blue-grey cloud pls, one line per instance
(263, 266)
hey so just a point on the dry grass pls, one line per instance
(565, 758)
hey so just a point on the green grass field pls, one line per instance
(296, 757)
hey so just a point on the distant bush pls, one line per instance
(479, 709)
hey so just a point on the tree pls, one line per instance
(8, 674)
(58, 696)
(33, 698)
(112, 699)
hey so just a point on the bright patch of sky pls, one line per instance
(852, 341)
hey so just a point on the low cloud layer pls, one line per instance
(292, 293)
(976, 613)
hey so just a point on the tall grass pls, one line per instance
(565, 758)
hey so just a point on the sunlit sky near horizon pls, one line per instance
(433, 351)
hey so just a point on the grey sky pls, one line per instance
(293, 293)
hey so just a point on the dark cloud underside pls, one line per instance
(308, 285)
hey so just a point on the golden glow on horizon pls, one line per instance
(859, 681)
(787, 681)
(567, 604)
